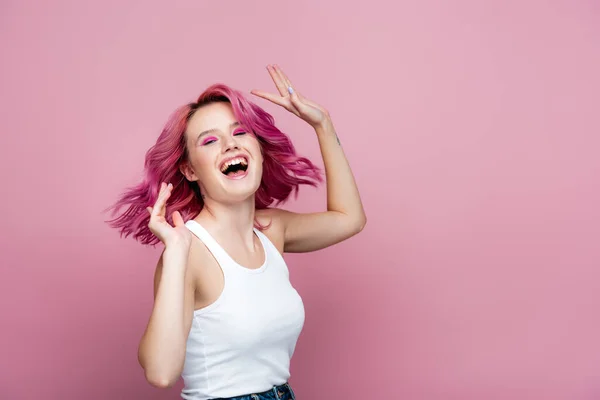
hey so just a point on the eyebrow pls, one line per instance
(233, 125)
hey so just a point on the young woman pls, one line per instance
(225, 316)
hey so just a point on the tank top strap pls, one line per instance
(215, 248)
(268, 246)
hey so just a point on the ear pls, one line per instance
(187, 171)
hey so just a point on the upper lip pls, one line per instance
(231, 158)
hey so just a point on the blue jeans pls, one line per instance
(281, 392)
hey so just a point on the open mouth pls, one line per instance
(235, 167)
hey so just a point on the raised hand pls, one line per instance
(178, 235)
(290, 99)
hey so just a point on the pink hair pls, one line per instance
(283, 169)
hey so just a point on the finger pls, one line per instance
(158, 198)
(310, 103)
(177, 219)
(279, 83)
(290, 90)
(283, 77)
(269, 96)
(297, 103)
(307, 101)
(161, 201)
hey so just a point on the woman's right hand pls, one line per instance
(178, 235)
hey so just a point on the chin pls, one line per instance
(239, 188)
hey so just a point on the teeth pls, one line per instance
(239, 160)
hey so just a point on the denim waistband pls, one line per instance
(281, 392)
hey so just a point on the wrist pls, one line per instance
(174, 260)
(324, 127)
(177, 249)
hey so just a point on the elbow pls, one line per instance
(360, 227)
(359, 224)
(157, 374)
(363, 222)
(162, 365)
(162, 383)
(160, 380)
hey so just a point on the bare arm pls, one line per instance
(161, 351)
(345, 215)
(162, 348)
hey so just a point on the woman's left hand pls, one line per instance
(293, 101)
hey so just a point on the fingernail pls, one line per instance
(290, 90)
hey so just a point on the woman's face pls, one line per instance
(224, 157)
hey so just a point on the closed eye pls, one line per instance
(208, 141)
(238, 133)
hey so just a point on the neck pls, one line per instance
(230, 221)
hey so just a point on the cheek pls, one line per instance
(256, 150)
(203, 165)
(258, 156)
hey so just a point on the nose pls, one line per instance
(230, 143)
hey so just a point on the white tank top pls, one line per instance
(243, 342)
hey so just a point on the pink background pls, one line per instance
(473, 131)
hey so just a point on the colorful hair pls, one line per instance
(283, 170)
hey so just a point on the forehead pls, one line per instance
(211, 116)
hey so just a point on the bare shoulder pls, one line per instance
(199, 256)
(272, 220)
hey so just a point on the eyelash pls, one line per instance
(212, 139)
